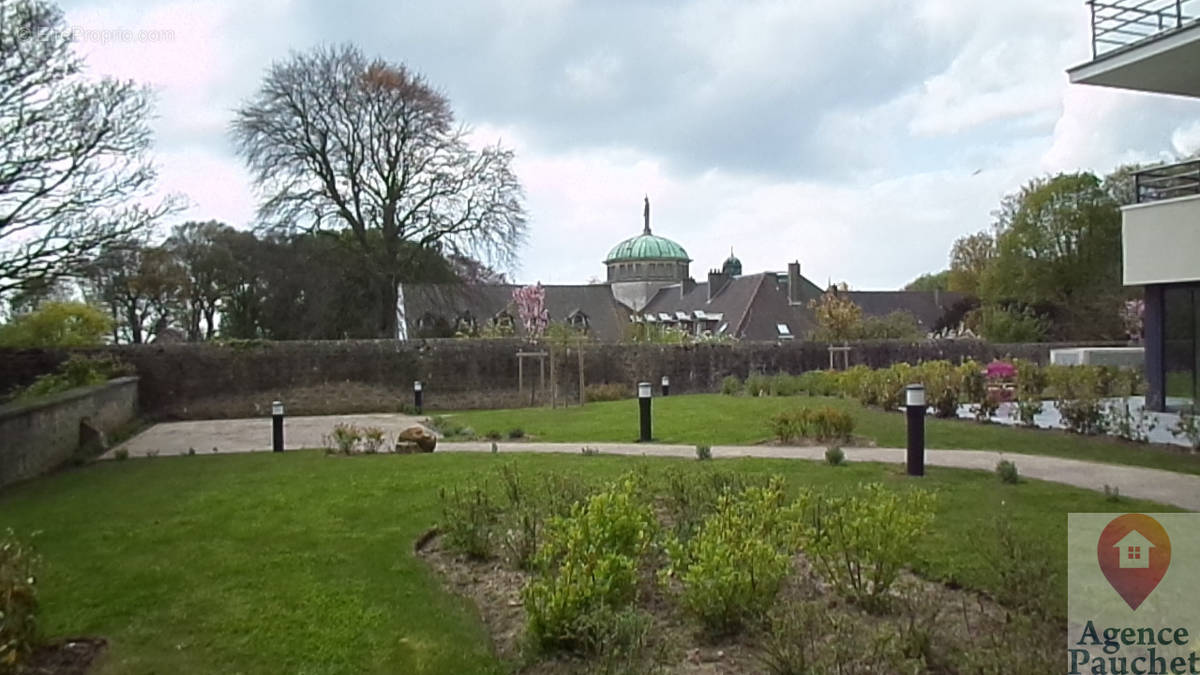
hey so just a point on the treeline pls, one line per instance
(1049, 267)
(209, 280)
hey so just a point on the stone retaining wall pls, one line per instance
(42, 435)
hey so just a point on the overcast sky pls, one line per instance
(858, 137)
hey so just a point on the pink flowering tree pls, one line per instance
(531, 309)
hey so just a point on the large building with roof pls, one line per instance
(649, 283)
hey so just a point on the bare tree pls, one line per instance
(73, 152)
(334, 140)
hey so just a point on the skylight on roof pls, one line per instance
(783, 329)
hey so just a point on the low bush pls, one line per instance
(822, 424)
(18, 601)
(529, 504)
(1077, 393)
(861, 541)
(835, 456)
(469, 517)
(120, 454)
(731, 385)
(703, 452)
(758, 385)
(1128, 425)
(516, 433)
(783, 384)
(943, 386)
(688, 498)
(606, 392)
(493, 435)
(447, 426)
(732, 569)
(343, 439)
(77, 371)
(1007, 472)
(818, 383)
(372, 440)
(588, 565)
(1188, 428)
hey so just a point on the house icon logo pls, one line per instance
(1134, 553)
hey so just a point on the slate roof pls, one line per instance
(927, 306)
(754, 304)
(607, 318)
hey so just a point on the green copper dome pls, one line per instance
(647, 247)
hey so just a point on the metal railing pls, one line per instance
(1168, 182)
(1119, 23)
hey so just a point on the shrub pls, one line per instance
(758, 385)
(943, 386)
(57, 325)
(529, 504)
(831, 424)
(860, 542)
(703, 452)
(818, 383)
(689, 498)
(1129, 426)
(1112, 493)
(77, 371)
(587, 566)
(446, 426)
(516, 433)
(1077, 393)
(606, 392)
(18, 600)
(493, 435)
(794, 639)
(373, 440)
(731, 385)
(121, 454)
(731, 571)
(820, 424)
(344, 439)
(1025, 572)
(469, 516)
(783, 384)
(1007, 471)
(1188, 428)
(835, 456)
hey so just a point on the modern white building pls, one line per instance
(1154, 46)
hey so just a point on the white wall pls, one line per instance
(1161, 241)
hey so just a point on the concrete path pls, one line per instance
(254, 435)
(250, 435)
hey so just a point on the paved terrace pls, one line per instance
(254, 435)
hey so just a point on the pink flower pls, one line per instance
(1000, 370)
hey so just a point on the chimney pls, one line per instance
(686, 287)
(717, 280)
(794, 295)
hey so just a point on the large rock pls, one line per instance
(425, 439)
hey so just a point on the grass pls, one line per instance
(301, 563)
(713, 419)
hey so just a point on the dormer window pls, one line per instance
(578, 320)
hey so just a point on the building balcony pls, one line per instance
(1144, 45)
(1161, 232)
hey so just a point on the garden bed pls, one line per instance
(678, 616)
(71, 656)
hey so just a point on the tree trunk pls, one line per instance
(390, 294)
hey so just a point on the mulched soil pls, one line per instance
(71, 656)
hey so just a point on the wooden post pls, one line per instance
(520, 375)
(542, 371)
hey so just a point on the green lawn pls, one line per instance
(302, 563)
(738, 420)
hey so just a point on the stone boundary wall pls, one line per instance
(212, 380)
(42, 435)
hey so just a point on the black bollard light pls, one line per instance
(666, 386)
(914, 407)
(417, 396)
(277, 426)
(645, 390)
